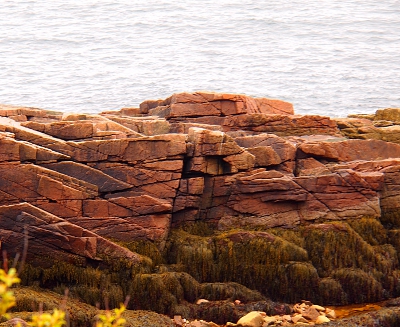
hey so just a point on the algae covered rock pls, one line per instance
(29, 300)
(203, 195)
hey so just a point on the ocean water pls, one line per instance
(326, 57)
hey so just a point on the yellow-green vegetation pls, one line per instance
(46, 319)
(6, 296)
(112, 318)
(7, 301)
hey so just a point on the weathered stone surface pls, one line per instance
(20, 113)
(383, 125)
(311, 166)
(213, 104)
(9, 149)
(229, 161)
(311, 314)
(252, 319)
(389, 114)
(64, 130)
(282, 125)
(322, 320)
(50, 236)
(351, 150)
(144, 125)
(271, 198)
(104, 182)
(215, 153)
(153, 227)
(30, 183)
(75, 128)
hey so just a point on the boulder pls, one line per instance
(350, 150)
(322, 320)
(213, 104)
(282, 125)
(104, 182)
(52, 237)
(252, 319)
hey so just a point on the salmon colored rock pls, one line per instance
(227, 160)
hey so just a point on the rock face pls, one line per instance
(76, 182)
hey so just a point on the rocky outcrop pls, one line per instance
(78, 183)
(383, 125)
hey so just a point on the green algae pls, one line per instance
(229, 291)
(333, 263)
(145, 248)
(390, 219)
(394, 240)
(338, 246)
(370, 229)
(280, 266)
(330, 291)
(29, 300)
(79, 314)
(359, 286)
(163, 292)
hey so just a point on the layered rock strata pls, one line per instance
(78, 183)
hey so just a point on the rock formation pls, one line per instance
(221, 173)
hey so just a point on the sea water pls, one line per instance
(326, 57)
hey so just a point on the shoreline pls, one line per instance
(212, 196)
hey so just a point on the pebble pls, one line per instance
(304, 314)
(322, 320)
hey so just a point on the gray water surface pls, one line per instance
(326, 57)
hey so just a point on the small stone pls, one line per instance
(199, 323)
(298, 318)
(311, 314)
(269, 321)
(322, 320)
(237, 302)
(330, 313)
(287, 318)
(306, 302)
(297, 308)
(318, 307)
(201, 301)
(252, 319)
(178, 321)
